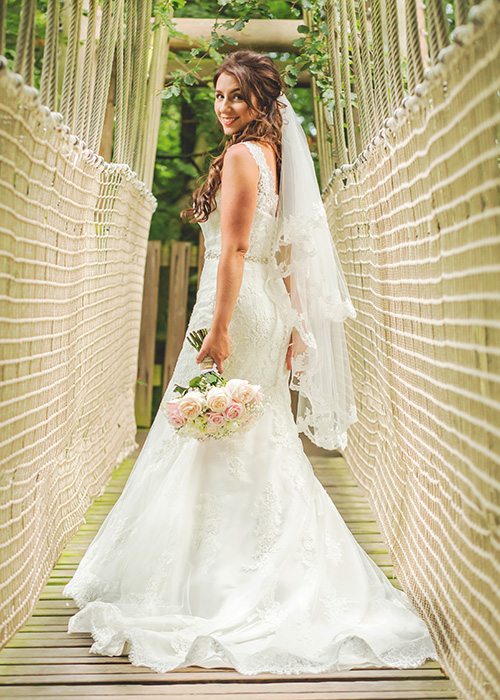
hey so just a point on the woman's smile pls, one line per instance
(228, 120)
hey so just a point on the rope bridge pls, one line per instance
(416, 221)
(413, 202)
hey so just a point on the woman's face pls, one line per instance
(231, 109)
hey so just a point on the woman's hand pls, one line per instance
(289, 354)
(296, 346)
(216, 345)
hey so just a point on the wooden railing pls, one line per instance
(181, 258)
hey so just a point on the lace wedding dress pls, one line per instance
(230, 553)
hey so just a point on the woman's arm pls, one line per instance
(238, 200)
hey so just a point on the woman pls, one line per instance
(229, 553)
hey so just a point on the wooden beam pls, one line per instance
(258, 34)
(208, 66)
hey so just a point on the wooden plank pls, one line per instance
(117, 693)
(149, 315)
(177, 306)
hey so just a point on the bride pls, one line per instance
(230, 553)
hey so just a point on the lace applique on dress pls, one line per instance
(268, 528)
(208, 537)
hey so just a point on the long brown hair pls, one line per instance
(257, 76)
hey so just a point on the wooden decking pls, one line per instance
(43, 660)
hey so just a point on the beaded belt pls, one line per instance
(253, 258)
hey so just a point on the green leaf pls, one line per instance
(290, 79)
(298, 42)
(303, 29)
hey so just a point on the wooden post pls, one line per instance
(146, 362)
(180, 256)
(107, 129)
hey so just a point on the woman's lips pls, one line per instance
(228, 121)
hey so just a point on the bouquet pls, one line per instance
(211, 407)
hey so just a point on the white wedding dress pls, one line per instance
(230, 553)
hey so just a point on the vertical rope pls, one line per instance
(379, 73)
(121, 95)
(25, 55)
(367, 70)
(29, 62)
(358, 72)
(83, 118)
(145, 83)
(346, 80)
(105, 52)
(150, 100)
(48, 79)
(139, 79)
(131, 60)
(437, 28)
(415, 61)
(395, 75)
(3, 16)
(338, 115)
(68, 93)
(461, 8)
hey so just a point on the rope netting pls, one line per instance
(74, 234)
(416, 221)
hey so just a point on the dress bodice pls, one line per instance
(263, 224)
(260, 323)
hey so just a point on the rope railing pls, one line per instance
(416, 221)
(74, 231)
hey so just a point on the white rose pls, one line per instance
(241, 390)
(218, 399)
(191, 404)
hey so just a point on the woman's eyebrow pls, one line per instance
(233, 90)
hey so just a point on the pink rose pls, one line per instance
(218, 399)
(173, 414)
(191, 404)
(241, 390)
(234, 410)
(215, 419)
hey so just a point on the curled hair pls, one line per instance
(257, 77)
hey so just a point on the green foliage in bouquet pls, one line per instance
(209, 378)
